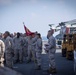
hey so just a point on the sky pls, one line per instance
(36, 14)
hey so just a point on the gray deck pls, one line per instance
(64, 66)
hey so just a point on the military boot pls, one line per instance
(38, 67)
(35, 61)
(20, 62)
(52, 70)
(28, 61)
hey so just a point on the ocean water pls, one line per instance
(44, 38)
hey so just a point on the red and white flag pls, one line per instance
(27, 31)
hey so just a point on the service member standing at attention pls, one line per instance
(29, 49)
(18, 42)
(2, 50)
(8, 49)
(25, 47)
(34, 39)
(51, 47)
(38, 51)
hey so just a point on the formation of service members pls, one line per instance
(19, 47)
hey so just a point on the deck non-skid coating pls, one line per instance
(64, 66)
(8, 71)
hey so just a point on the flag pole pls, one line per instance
(23, 23)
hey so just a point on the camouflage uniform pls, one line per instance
(25, 47)
(18, 42)
(34, 39)
(9, 52)
(29, 48)
(38, 51)
(2, 50)
(52, 49)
